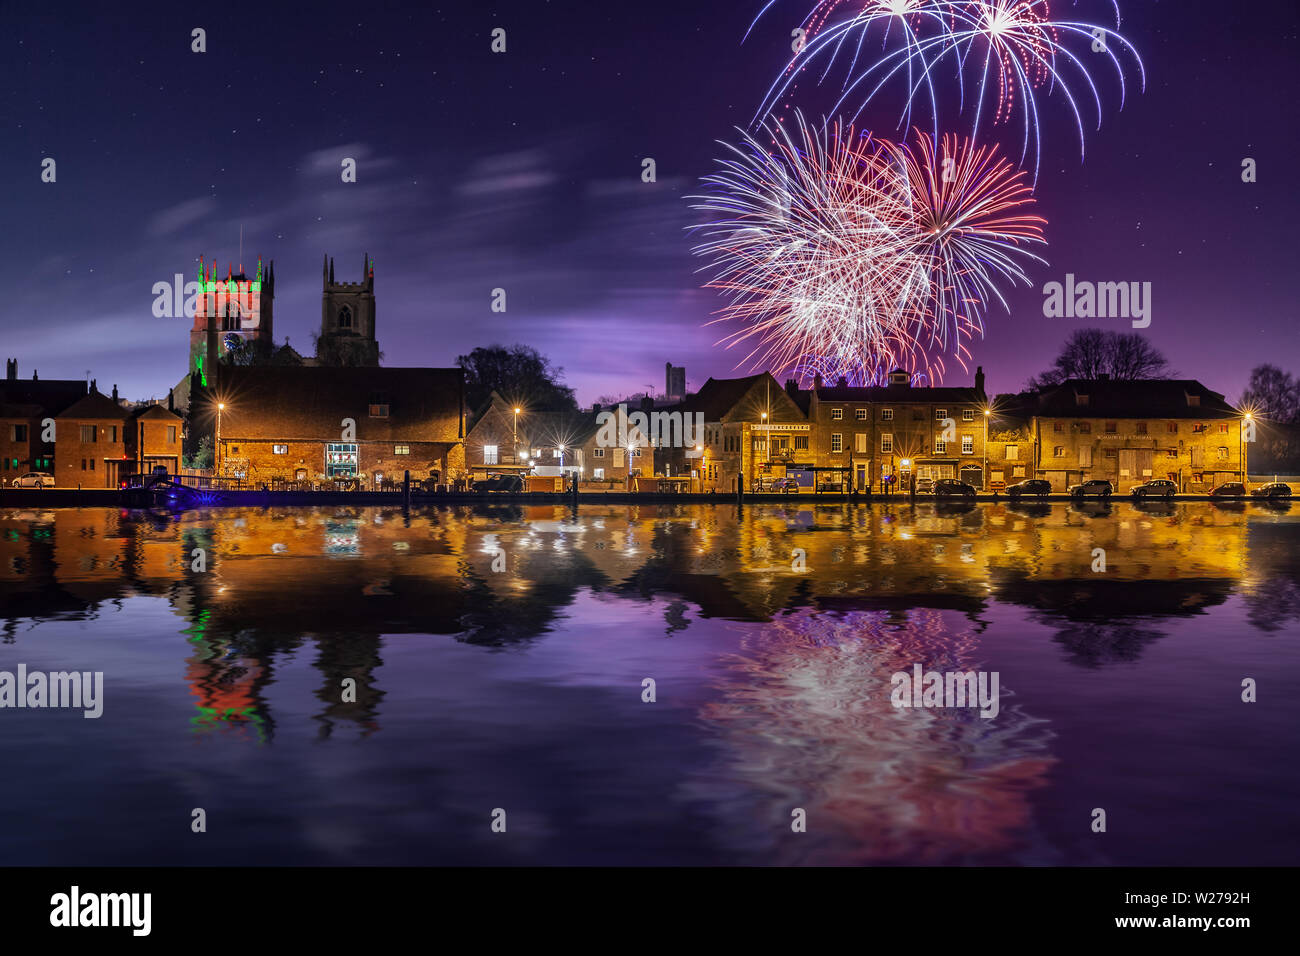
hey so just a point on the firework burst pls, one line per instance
(848, 256)
(1001, 53)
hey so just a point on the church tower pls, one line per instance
(347, 319)
(242, 307)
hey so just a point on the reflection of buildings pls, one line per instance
(342, 579)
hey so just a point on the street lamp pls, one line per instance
(986, 449)
(216, 452)
(1245, 470)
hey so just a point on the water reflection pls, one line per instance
(773, 631)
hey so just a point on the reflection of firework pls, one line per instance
(806, 721)
(996, 50)
(846, 255)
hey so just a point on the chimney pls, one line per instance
(11, 370)
(35, 378)
(115, 392)
(979, 379)
(595, 408)
(842, 382)
(791, 387)
(94, 385)
(171, 399)
(647, 404)
(817, 380)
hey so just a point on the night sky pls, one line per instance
(523, 171)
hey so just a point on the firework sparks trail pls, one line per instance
(1003, 49)
(846, 255)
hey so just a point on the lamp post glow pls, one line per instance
(216, 452)
(1245, 470)
(986, 449)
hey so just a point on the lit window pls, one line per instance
(886, 414)
(940, 446)
(280, 449)
(968, 444)
(860, 414)
(490, 455)
(1058, 451)
(837, 414)
(1012, 453)
(940, 414)
(887, 443)
(837, 443)
(401, 449)
(968, 414)
(598, 453)
(88, 433)
(379, 410)
(171, 434)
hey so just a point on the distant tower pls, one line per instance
(347, 319)
(674, 382)
(242, 305)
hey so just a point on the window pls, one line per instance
(83, 464)
(171, 434)
(887, 443)
(1018, 471)
(234, 450)
(860, 443)
(1223, 453)
(837, 443)
(1198, 428)
(1193, 401)
(379, 410)
(279, 449)
(92, 463)
(1085, 456)
(1085, 428)
(940, 414)
(401, 449)
(598, 473)
(1012, 453)
(1223, 428)
(598, 453)
(1172, 453)
(886, 414)
(1171, 428)
(112, 430)
(1140, 428)
(1058, 426)
(1112, 428)
(345, 318)
(968, 444)
(860, 414)
(968, 414)
(1058, 451)
(940, 446)
(88, 434)
(490, 455)
(340, 459)
(20, 433)
(837, 414)
(800, 442)
(1112, 452)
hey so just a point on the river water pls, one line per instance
(500, 658)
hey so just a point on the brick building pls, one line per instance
(91, 443)
(899, 429)
(25, 407)
(315, 424)
(1131, 432)
(751, 426)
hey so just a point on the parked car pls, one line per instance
(951, 487)
(763, 482)
(1229, 489)
(787, 485)
(34, 479)
(924, 486)
(1036, 487)
(1093, 487)
(1156, 487)
(1274, 489)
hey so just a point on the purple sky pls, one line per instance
(522, 171)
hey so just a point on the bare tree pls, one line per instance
(1272, 395)
(1091, 353)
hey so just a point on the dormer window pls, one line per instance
(1193, 400)
(1080, 398)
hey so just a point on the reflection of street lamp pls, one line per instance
(631, 447)
(699, 450)
(216, 452)
(560, 449)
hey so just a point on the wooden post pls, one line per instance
(406, 489)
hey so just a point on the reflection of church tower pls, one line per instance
(347, 319)
(239, 306)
